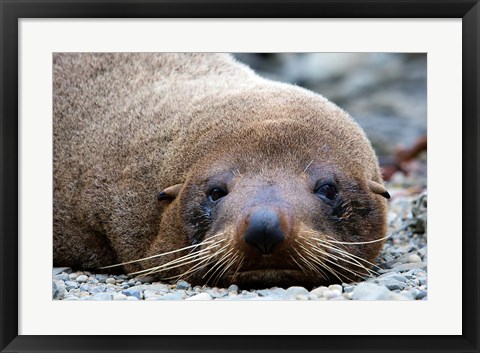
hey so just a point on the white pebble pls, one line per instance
(414, 258)
(330, 294)
(319, 291)
(119, 296)
(110, 280)
(201, 296)
(337, 287)
(73, 275)
(302, 297)
(82, 278)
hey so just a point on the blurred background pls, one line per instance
(386, 93)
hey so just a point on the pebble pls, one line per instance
(370, 291)
(272, 293)
(392, 283)
(409, 266)
(233, 288)
(119, 296)
(101, 296)
(82, 278)
(319, 291)
(336, 287)
(59, 270)
(73, 276)
(294, 292)
(201, 296)
(133, 292)
(63, 277)
(422, 294)
(110, 280)
(182, 285)
(101, 278)
(71, 285)
(414, 258)
(330, 294)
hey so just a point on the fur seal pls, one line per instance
(191, 166)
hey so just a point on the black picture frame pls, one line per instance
(12, 11)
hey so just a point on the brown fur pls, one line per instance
(127, 126)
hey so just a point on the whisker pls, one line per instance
(344, 254)
(310, 265)
(354, 243)
(242, 257)
(355, 273)
(232, 261)
(181, 259)
(218, 265)
(163, 254)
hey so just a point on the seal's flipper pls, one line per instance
(377, 188)
(169, 193)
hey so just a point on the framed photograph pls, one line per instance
(355, 274)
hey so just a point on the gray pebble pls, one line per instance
(392, 275)
(392, 284)
(58, 290)
(217, 293)
(71, 285)
(58, 270)
(133, 292)
(99, 289)
(84, 287)
(182, 285)
(370, 291)
(233, 288)
(422, 294)
(173, 296)
(409, 266)
(101, 278)
(62, 276)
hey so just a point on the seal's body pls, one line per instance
(191, 166)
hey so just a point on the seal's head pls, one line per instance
(294, 198)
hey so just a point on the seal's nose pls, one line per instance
(264, 230)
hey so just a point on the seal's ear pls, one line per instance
(169, 193)
(376, 188)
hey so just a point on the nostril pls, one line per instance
(264, 230)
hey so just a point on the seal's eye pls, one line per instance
(326, 191)
(216, 194)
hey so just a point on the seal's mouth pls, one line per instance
(270, 277)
